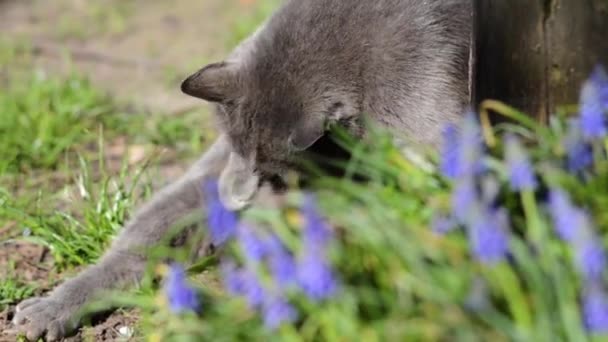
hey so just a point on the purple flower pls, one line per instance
(579, 152)
(315, 277)
(252, 289)
(243, 282)
(470, 147)
(595, 310)
(599, 77)
(488, 238)
(591, 258)
(181, 296)
(593, 111)
(317, 232)
(565, 216)
(252, 243)
(278, 311)
(281, 262)
(464, 198)
(231, 277)
(443, 224)
(521, 173)
(449, 152)
(221, 221)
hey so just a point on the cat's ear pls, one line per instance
(306, 133)
(215, 82)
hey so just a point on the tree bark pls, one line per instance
(535, 54)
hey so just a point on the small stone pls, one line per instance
(125, 331)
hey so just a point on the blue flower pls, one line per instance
(470, 147)
(231, 277)
(521, 173)
(591, 258)
(243, 282)
(566, 218)
(253, 245)
(221, 221)
(281, 262)
(449, 152)
(443, 224)
(464, 199)
(599, 77)
(579, 152)
(595, 310)
(315, 276)
(317, 232)
(278, 311)
(181, 296)
(488, 236)
(593, 111)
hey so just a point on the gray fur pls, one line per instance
(313, 64)
(124, 263)
(317, 63)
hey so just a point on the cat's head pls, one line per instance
(269, 113)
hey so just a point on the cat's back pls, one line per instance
(409, 58)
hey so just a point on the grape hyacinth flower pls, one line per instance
(252, 244)
(281, 262)
(243, 282)
(443, 224)
(579, 152)
(315, 276)
(221, 221)
(566, 217)
(574, 226)
(488, 236)
(278, 311)
(591, 258)
(317, 232)
(470, 147)
(592, 111)
(595, 310)
(464, 199)
(599, 77)
(521, 173)
(181, 296)
(231, 277)
(449, 152)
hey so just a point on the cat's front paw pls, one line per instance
(46, 317)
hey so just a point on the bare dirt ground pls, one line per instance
(138, 51)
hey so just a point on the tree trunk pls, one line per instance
(535, 54)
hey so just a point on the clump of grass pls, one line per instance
(47, 123)
(13, 290)
(101, 206)
(43, 117)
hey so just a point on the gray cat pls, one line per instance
(313, 64)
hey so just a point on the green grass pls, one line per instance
(42, 118)
(97, 210)
(13, 290)
(54, 178)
